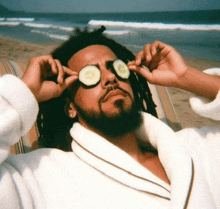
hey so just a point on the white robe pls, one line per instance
(98, 174)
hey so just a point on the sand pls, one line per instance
(23, 52)
(180, 98)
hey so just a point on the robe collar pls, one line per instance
(107, 158)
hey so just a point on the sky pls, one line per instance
(89, 6)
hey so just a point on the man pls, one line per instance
(108, 169)
(53, 133)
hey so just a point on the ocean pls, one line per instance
(193, 33)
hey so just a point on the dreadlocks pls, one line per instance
(53, 123)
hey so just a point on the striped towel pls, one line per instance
(164, 106)
(27, 142)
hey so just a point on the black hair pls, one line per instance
(53, 122)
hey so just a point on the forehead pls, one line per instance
(95, 54)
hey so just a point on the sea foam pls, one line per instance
(53, 36)
(159, 26)
(5, 23)
(117, 32)
(40, 25)
(37, 25)
(21, 19)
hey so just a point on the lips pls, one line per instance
(113, 93)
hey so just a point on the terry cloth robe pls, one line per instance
(97, 174)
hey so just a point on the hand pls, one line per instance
(166, 67)
(37, 75)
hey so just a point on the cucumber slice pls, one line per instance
(121, 69)
(89, 75)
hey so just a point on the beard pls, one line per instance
(112, 125)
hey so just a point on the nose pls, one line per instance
(108, 79)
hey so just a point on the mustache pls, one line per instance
(112, 88)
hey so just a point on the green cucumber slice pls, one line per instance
(89, 75)
(121, 69)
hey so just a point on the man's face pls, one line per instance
(111, 101)
(95, 99)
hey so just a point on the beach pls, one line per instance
(22, 52)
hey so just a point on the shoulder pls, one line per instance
(42, 159)
(205, 140)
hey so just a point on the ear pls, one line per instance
(72, 110)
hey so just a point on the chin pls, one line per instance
(118, 107)
(113, 120)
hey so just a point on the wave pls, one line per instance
(53, 36)
(159, 26)
(117, 32)
(64, 28)
(40, 25)
(21, 19)
(37, 25)
(60, 37)
(4, 23)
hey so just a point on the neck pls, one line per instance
(127, 142)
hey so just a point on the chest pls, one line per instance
(153, 164)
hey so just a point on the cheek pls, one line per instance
(126, 86)
(131, 93)
(87, 98)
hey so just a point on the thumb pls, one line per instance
(68, 82)
(145, 72)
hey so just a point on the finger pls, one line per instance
(147, 53)
(70, 80)
(61, 73)
(66, 83)
(153, 50)
(131, 63)
(52, 64)
(145, 72)
(69, 71)
(133, 67)
(159, 45)
(139, 57)
(163, 48)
